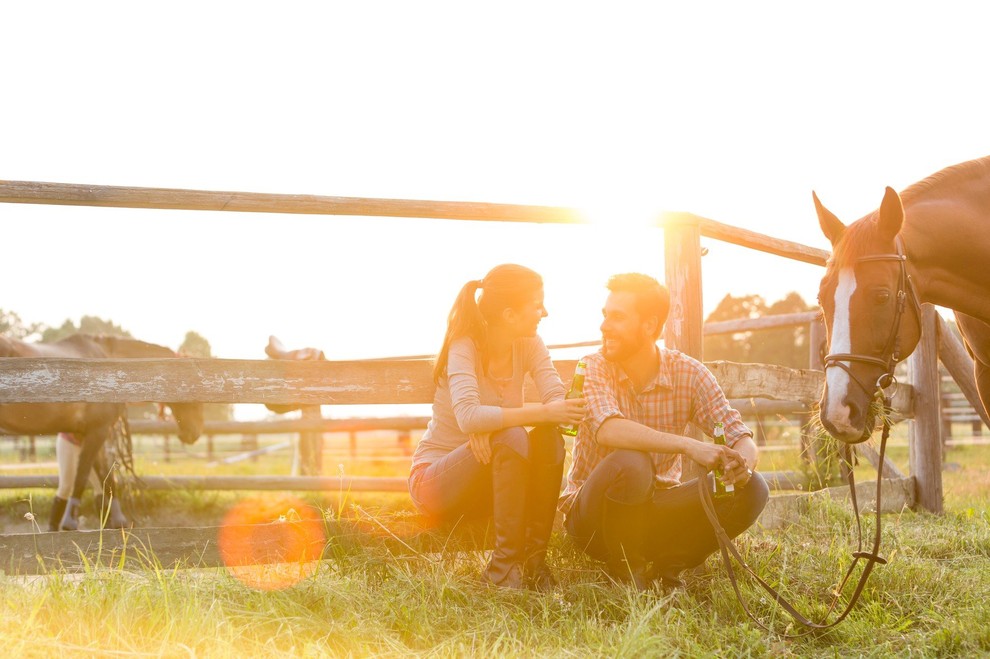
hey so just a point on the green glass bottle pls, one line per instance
(721, 489)
(577, 390)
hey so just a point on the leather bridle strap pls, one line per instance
(891, 352)
(728, 551)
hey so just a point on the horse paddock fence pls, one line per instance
(399, 381)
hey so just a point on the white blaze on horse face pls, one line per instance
(837, 379)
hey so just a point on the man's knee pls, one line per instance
(755, 495)
(633, 477)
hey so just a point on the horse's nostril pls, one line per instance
(855, 411)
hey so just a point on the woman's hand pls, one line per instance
(481, 446)
(566, 412)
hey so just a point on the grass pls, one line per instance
(933, 599)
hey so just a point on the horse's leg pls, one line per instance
(111, 513)
(92, 442)
(67, 457)
(976, 335)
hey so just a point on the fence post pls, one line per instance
(683, 331)
(309, 451)
(682, 262)
(924, 441)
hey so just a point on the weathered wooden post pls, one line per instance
(683, 331)
(924, 441)
(682, 262)
(309, 452)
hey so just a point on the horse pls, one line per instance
(91, 423)
(928, 244)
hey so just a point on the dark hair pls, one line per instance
(652, 297)
(505, 286)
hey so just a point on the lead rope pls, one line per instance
(728, 550)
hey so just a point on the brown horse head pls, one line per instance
(870, 319)
(189, 418)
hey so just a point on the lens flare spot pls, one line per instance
(271, 544)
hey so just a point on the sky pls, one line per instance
(733, 111)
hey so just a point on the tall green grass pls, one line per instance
(932, 599)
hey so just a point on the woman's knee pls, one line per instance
(546, 445)
(516, 439)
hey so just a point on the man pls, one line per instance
(624, 502)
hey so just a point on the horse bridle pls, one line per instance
(872, 557)
(892, 350)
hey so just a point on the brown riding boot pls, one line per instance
(509, 503)
(542, 510)
(623, 532)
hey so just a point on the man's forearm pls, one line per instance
(626, 434)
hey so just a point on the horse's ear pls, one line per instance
(891, 214)
(831, 226)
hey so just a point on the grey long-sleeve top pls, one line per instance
(468, 401)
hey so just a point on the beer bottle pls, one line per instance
(721, 489)
(577, 390)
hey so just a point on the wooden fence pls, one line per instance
(408, 381)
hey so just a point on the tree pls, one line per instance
(87, 325)
(196, 345)
(786, 346)
(12, 326)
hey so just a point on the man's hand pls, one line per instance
(738, 474)
(713, 456)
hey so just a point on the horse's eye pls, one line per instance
(881, 297)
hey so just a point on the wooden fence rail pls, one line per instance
(35, 380)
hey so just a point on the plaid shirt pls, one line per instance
(684, 391)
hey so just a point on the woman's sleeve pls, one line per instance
(545, 375)
(465, 392)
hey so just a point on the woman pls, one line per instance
(476, 457)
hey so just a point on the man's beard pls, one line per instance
(617, 348)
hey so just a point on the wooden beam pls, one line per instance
(959, 364)
(216, 381)
(887, 470)
(154, 548)
(36, 380)
(240, 483)
(924, 435)
(326, 484)
(170, 548)
(71, 194)
(761, 323)
(682, 260)
(281, 426)
(751, 239)
(785, 509)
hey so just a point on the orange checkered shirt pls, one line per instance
(683, 392)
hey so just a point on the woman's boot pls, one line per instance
(509, 506)
(544, 484)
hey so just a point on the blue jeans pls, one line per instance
(678, 534)
(458, 486)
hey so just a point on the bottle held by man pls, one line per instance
(576, 391)
(720, 489)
